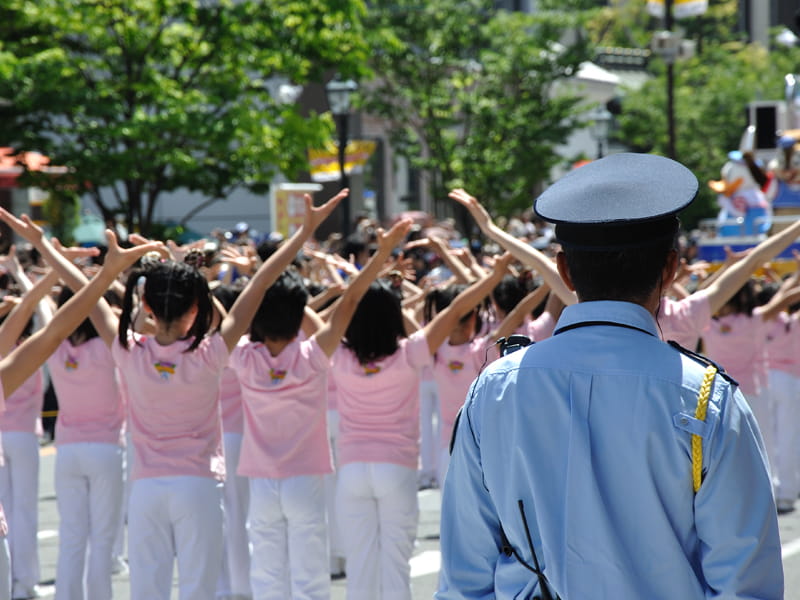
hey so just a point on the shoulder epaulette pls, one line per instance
(703, 360)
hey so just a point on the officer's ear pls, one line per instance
(563, 270)
(670, 269)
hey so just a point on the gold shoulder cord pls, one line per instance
(700, 415)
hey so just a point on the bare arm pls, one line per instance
(241, 314)
(727, 284)
(522, 251)
(516, 317)
(437, 331)
(13, 326)
(331, 333)
(21, 363)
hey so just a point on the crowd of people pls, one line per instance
(265, 413)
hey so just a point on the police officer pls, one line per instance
(604, 462)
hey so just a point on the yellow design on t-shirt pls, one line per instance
(71, 364)
(371, 369)
(165, 369)
(455, 365)
(277, 375)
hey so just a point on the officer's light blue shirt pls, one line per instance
(591, 429)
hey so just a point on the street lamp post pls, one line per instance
(339, 94)
(601, 128)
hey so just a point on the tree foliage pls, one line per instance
(468, 92)
(141, 97)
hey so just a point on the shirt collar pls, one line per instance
(624, 313)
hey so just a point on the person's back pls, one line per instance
(603, 462)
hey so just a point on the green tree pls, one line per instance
(470, 93)
(142, 97)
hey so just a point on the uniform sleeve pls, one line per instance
(417, 350)
(735, 512)
(470, 529)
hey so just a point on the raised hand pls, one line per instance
(23, 226)
(73, 252)
(387, 240)
(315, 215)
(118, 259)
(475, 208)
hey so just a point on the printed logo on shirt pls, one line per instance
(276, 375)
(71, 364)
(725, 328)
(371, 369)
(455, 366)
(165, 369)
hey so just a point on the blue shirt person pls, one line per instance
(573, 457)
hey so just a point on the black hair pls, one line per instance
(440, 298)
(281, 311)
(629, 274)
(377, 324)
(226, 294)
(170, 290)
(508, 293)
(745, 299)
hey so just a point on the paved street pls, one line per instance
(424, 566)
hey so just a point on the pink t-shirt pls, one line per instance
(455, 368)
(23, 408)
(684, 320)
(285, 408)
(783, 343)
(175, 421)
(90, 405)
(379, 404)
(738, 343)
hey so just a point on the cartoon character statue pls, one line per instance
(744, 209)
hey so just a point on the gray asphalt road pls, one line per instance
(424, 564)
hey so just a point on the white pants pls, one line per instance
(175, 518)
(764, 412)
(334, 531)
(234, 578)
(289, 538)
(88, 484)
(19, 494)
(377, 505)
(784, 390)
(428, 430)
(127, 464)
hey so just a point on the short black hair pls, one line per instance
(377, 324)
(629, 274)
(280, 313)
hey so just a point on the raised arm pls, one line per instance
(726, 285)
(456, 266)
(20, 364)
(516, 317)
(331, 333)
(523, 252)
(241, 314)
(14, 324)
(437, 331)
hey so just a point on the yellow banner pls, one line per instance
(680, 8)
(325, 162)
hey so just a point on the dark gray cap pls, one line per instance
(620, 201)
